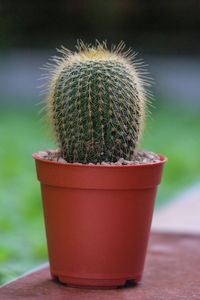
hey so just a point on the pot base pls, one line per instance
(95, 283)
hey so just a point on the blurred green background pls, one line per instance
(164, 33)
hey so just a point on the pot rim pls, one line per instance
(163, 160)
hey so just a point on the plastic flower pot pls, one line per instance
(98, 220)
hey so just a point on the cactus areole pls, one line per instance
(96, 103)
(97, 216)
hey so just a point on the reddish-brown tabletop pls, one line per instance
(172, 271)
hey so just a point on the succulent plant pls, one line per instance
(97, 103)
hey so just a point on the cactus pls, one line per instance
(97, 102)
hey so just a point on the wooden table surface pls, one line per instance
(172, 271)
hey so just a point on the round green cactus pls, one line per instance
(97, 103)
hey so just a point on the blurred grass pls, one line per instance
(172, 131)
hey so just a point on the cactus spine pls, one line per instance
(96, 102)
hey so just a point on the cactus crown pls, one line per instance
(96, 102)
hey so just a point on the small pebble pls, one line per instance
(61, 160)
(42, 154)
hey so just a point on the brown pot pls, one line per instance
(98, 220)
